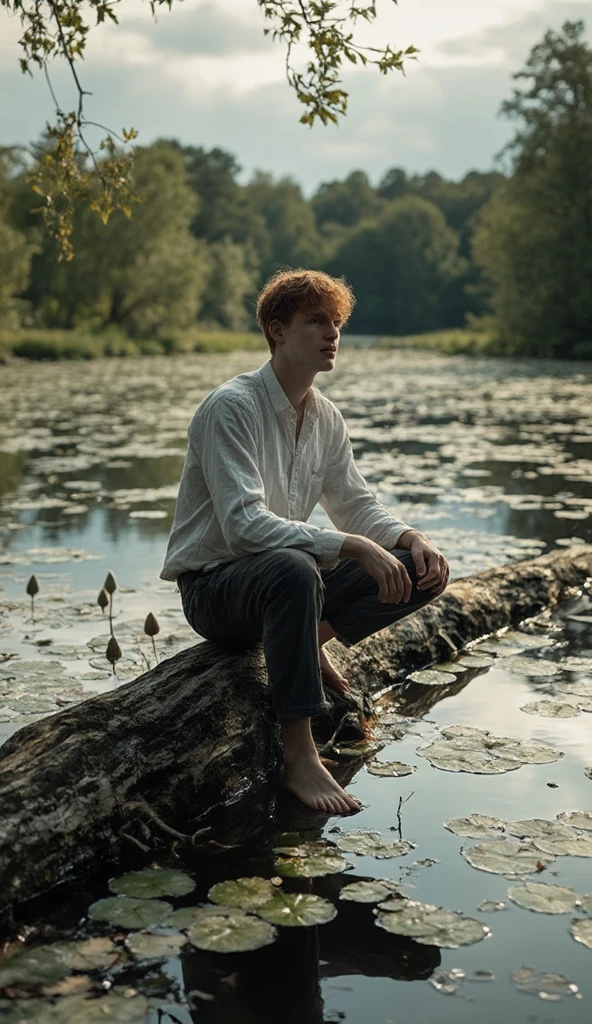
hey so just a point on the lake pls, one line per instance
(493, 460)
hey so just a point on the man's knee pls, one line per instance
(297, 568)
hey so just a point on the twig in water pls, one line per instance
(399, 822)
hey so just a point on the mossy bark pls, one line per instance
(167, 753)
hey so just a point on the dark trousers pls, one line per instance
(280, 597)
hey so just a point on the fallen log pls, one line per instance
(166, 753)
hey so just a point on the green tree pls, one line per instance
(16, 252)
(400, 265)
(291, 237)
(346, 202)
(535, 236)
(146, 273)
(231, 283)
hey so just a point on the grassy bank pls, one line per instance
(52, 345)
(456, 341)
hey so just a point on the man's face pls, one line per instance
(311, 340)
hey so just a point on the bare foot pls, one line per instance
(331, 675)
(310, 781)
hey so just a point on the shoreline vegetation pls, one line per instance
(51, 345)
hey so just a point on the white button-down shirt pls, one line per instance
(247, 486)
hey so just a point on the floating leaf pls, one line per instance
(448, 982)
(585, 903)
(539, 828)
(574, 846)
(432, 677)
(315, 866)
(582, 689)
(546, 985)
(228, 930)
(293, 909)
(243, 893)
(468, 749)
(127, 912)
(577, 819)
(452, 667)
(532, 666)
(544, 899)
(371, 844)
(506, 857)
(581, 930)
(393, 768)
(551, 709)
(476, 826)
(526, 639)
(155, 947)
(314, 848)
(369, 892)
(152, 882)
(40, 965)
(87, 955)
(430, 925)
(476, 661)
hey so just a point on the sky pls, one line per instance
(205, 74)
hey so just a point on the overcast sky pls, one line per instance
(205, 74)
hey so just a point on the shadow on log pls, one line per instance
(170, 754)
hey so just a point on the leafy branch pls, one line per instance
(69, 173)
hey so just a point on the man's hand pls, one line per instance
(394, 584)
(432, 568)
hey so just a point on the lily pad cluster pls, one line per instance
(464, 748)
(428, 924)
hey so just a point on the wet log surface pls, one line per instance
(167, 754)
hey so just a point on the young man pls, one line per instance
(263, 450)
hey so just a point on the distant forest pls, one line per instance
(511, 249)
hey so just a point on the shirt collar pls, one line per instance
(277, 396)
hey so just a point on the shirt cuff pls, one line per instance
(329, 547)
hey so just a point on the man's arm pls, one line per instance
(371, 529)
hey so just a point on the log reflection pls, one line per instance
(283, 981)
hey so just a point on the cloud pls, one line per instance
(205, 30)
(511, 42)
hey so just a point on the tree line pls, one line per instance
(510, 247)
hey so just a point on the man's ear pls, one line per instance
(276, 330)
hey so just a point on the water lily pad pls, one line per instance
(371, 844)
(314, 848)
(294, 909)
(369, 892)
(539, 828)
(315, 866)
(87, 955)
(547, 985)
(575, 846)
(476, 661)
(506, 857)
(515, 636)
(582, 689)
(228, 930)
(476, 826)
(544, 899)
(393, 768)
(469, 749)
(581, 930)
(585, 903)
(432, 677)
(128, 912)
(155, 947)
(452, 667)
(152, 882)
(532, 666)
(551, 709)
(577, 819)
(243, 893)
(40, 965)
(448, 982)
(430, 925)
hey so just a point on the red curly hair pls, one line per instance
(294, 291)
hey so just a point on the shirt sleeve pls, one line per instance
(230, 465)
(349, 502)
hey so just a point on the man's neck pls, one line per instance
(295, 382)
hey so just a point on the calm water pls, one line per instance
(493, 459)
